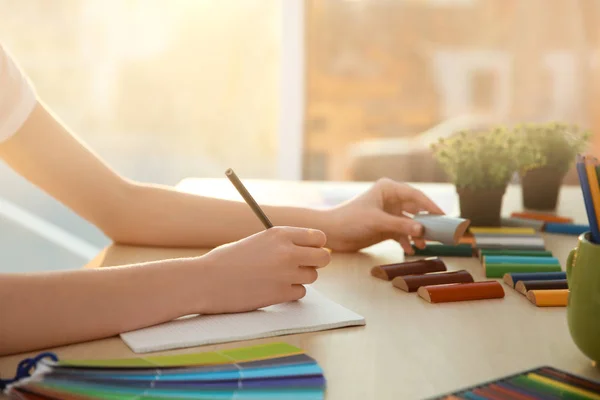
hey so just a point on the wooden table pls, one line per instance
(409, 349)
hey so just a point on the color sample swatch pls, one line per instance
(496, 265)
(522, 253)
(548, 223)
(499, 270)
(522, 223)
(410, 283)
(502, 259)
(503, 230)
(467, 239)
(441, 250)
(524, 286)
(508, 238)
(549, 298)
(511, 242)
(566, 229)
(461, 292)
(423, 266)
(276, 370)
(540, 383)
(442, 228)
(540, 216)
(512, 278)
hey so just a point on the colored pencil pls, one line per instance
(587, 199)
(237, 183)
(598, 173)
(590, 168)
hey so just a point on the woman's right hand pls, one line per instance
(266, 268)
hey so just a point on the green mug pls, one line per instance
(583, 306)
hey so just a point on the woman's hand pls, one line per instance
(377, 215)
(266, 268)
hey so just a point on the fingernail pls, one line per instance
(416, 230)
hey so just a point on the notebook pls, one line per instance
(314, 312)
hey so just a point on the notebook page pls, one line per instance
(314, 312)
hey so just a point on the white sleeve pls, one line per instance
(17, 96)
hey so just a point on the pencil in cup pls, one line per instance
(590, 163)
(587, 198)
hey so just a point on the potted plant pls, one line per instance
(480, 164)
(554, 147)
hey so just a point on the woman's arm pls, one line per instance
(42, 310)
(49, 156)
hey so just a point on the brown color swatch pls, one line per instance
(410, 283)
(423, 266)
(461, 292)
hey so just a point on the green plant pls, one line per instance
(481, 159)
(552, 144)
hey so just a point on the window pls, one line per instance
(162, 90)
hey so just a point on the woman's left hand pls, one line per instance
(377, 215)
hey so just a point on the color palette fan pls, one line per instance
(271, 371)
(539, 383)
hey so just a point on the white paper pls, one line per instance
(314, 312)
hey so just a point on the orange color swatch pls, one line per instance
(542, 217)
(461, 292)
(549, 298)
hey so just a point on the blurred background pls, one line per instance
(328, 90)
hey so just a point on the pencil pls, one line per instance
(235, 181)
(587, 199)
(590, 167)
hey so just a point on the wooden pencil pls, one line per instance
(237, 183)
(587, 198)
(590, 167)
